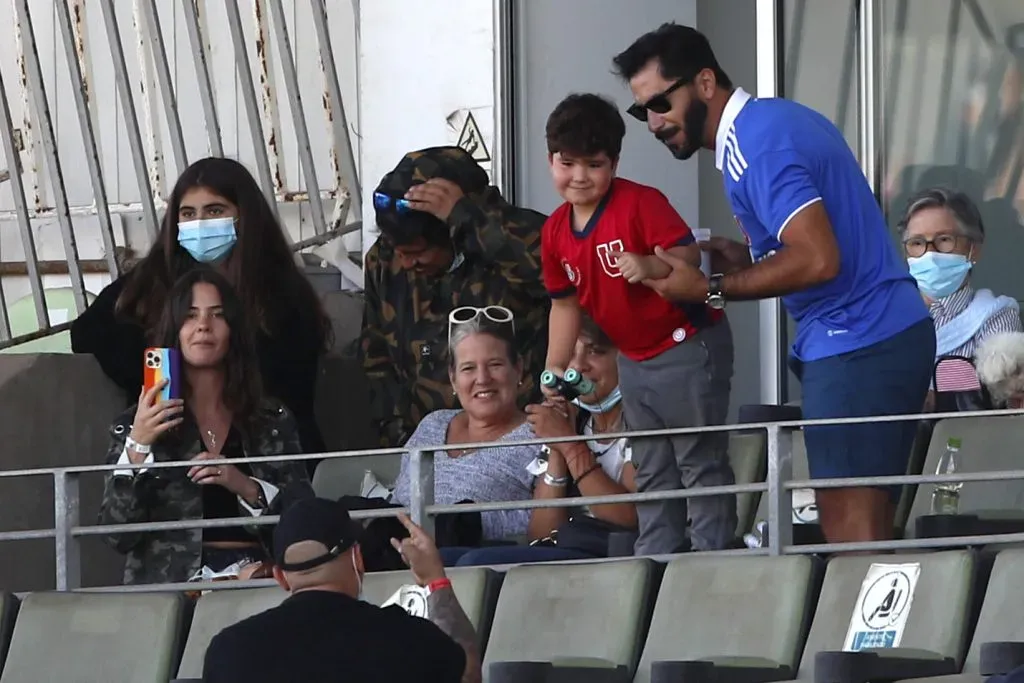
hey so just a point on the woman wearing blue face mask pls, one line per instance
(217, 215)
(942, 236)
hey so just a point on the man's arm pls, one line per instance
(375, 350)
(445, 612)
(810, 257)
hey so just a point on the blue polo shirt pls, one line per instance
(778, 157)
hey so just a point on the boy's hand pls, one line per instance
(634, 267)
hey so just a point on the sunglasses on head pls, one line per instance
(468, 314)
(384, 202)
(659, 104)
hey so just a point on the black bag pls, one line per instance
(585, 534)
(463, 529)
(957, 387)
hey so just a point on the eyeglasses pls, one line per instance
(659, 104)
(468, 314)
(383, 202)
(944, 244)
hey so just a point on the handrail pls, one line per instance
(778, 486)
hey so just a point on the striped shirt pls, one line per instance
(945, 309)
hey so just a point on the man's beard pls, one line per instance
(693, 127)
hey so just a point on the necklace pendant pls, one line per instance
(213, 438)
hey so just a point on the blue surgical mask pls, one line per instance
(606, 404)
(939, 275)
(207, 240)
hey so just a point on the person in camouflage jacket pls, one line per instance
(165, 495)
(448, 239)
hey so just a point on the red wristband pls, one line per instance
(439, 584)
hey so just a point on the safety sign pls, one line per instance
(412, 599)
(883, 607)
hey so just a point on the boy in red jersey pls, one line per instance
(675, 362)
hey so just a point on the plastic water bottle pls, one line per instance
(946, 496)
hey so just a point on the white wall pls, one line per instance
(421, 71)
(566, 46)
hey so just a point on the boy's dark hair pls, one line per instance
(585, 125)
(682, 53)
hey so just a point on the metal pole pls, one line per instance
(67, 554)
(335, 108)
(503, 155)
(291, 81)
(42, 109)
(252, 109)
(421, 488)
(868, 109)
(163, 75)
(772, 318)
(124, 94)
(780, 499)
(92, 150)
(28, 244)
(195, 40)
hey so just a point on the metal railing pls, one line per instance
(148, 94)
(778, 486)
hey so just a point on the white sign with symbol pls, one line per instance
(412, 599)
(883, 606)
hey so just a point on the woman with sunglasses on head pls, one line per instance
(597, 467)
(485, 372)
(223, 415)
(218, 216)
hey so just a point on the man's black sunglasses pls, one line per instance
(659, 104)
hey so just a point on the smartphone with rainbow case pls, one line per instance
(160, 364)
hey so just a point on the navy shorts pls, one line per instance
(888, 378)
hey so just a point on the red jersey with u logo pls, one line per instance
(630, 218)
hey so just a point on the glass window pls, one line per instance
(952, 93)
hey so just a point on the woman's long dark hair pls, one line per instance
(260, 267)
(243, 387)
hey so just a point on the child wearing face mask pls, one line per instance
(217, 215)
(943, 236)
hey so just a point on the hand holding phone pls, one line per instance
(160, 405)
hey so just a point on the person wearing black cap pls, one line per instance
(324, 632)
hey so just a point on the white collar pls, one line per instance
(457, 261)
(737, 101)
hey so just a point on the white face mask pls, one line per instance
(359, 577)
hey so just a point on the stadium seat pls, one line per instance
(339, 477)
(8, 612)
(217, 610)
(985, 447)
(936, 626)
(1000, 619)
(737, 612)
(95, 638)
(475, 587)
(578, 616)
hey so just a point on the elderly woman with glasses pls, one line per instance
(943, 235)
(485, 371)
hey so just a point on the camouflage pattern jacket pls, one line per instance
(405, 322)
(168, 495)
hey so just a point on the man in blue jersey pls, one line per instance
(816, 237)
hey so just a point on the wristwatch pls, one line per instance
(716, 299)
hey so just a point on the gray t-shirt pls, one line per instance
(487, 475)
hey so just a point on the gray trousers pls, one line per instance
(686, 386)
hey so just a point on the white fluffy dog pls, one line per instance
(1000, 364)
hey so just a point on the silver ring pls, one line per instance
(218, 471)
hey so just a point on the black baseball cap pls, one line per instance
(315, 519)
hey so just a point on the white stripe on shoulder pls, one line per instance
(790, 217)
